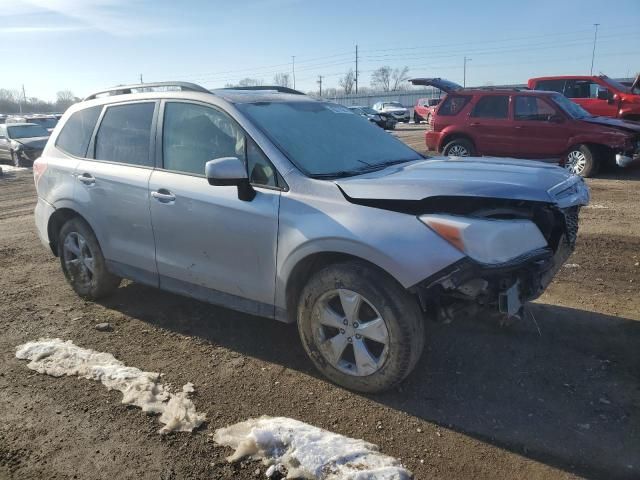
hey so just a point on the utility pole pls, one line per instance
(593, 54)
(356, 69)
(293, 70)
(464, 71)
(141, 79)
(24, 99)
(320, 83)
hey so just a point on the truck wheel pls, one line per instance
(360, 328)
(82, 261)
(416, 118)
(582, 160)
(460, 147)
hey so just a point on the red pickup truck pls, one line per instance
(598, 95)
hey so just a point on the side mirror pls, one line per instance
(227, 171)
(603, 94)
(556, 118)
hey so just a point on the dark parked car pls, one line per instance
(48, 122)
(22, 143)
(383, 120)
(530, 124)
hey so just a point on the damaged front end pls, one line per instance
(501, 288)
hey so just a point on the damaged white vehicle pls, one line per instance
(270, 202)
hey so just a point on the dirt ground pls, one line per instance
(556, 395)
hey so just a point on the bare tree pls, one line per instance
(381, 78)
(65, 99)
(282, 80)
(245, 82)
(347, 82)
(398, 77)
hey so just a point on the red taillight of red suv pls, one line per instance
(39, 167)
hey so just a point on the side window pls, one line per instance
(124, 134)
(194, 134)
(550, 85)
(453, 104)
(76, 133)
(492, 106)
(581, 89)
(532, 108)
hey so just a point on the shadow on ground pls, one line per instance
(562, 389)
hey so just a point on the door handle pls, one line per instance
(518, 127)
(87, 179)
(475, 124)
(163, 195)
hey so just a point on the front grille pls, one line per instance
(571, 224)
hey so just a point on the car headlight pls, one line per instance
(16, 145)
(487, 240)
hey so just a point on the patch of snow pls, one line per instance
(58, 358)
(571, 265)
(596, 206)
(11, 168)
(307, 451)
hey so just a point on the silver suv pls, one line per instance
(275, 204)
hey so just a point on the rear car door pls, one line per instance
(541, 130)
(210, 244)
(490, 126)
(112, 188)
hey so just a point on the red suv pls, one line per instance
(424, 108)
(528, 124)
(598, 95)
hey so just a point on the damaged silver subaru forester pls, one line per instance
(272, 203)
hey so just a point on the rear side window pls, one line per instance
(453, 104)
(492, 106)
(76, 133)
(124, 135)
(550, 85)
(532, 108)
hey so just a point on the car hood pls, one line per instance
(615, 123)
(33, 142)
(439, 83)
(470, 177)
(394, 110)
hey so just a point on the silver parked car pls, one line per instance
(272, 203)
(395, 109)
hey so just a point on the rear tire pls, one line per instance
(416, 118)
(371, 346)
(459, 147)
(82, 261)
(583, 160)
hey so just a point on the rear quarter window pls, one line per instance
(453, 104)
(76, 133)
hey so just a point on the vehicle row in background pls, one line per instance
(598, 95)
(382, 119)
(48, 122)
(528, 124)
(395, 109)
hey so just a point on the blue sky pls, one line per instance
(84, 45)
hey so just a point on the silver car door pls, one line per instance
(112, 189)
(210, 244)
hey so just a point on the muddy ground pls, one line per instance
(554, 397)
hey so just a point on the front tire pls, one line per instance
(459, 147)
(360, 328)
(582, 160)
(416, 118)
(82, 261)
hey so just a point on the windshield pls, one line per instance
(572, 109)
(327, 140)
(45, 122)
(616, 85)
(392, 104)
(27, 131)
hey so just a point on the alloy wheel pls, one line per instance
(576, 162)
(458, 151)
(351, 334)
(78, 258)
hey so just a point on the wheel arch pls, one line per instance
(57, 219)
(310, 264)
(449, 137)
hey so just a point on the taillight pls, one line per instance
(39, 167)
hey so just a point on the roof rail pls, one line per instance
(126, 89)
(276, 88)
